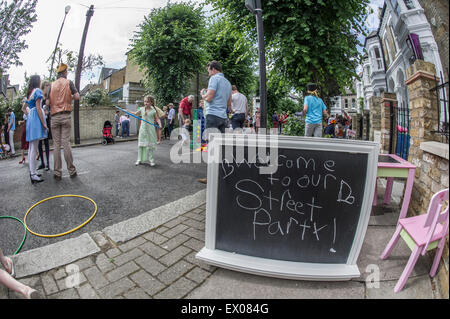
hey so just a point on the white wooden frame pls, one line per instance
(277, 268)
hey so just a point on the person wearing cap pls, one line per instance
(62, 93)
(315, 110)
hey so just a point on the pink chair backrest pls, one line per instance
(435, 216)
(433, 209)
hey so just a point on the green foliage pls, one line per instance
(277, 97)
(228, 45)
(16, 19)
(97, 97)
(306, 41)
(295, 126)
(15, 104)
(170, 48)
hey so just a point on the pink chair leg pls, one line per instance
(388, 192)
(387, 251)
(437, 258)
(408, 269)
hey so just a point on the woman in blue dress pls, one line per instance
(36, 125)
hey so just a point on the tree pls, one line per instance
(97, 97)
(170, 48)
(71, 59)
(16, 19)
(307, 41)
(229, 46)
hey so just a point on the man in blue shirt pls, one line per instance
(218, 98)
(11, 129)
(314, 109)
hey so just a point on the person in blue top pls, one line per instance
(315, 110)
(36, 125)
(217, 101)
(218, 98)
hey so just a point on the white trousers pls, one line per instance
(32, 152)
(11, 142)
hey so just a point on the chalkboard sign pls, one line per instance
(290, 207)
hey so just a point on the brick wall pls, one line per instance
(92, 120)
(132, 73)
(437, 15)
(385, 126)
(431, 173)
(117, 80)
(375, 117)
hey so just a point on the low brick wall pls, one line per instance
(92, 120)
(431, 177)
(428, 155)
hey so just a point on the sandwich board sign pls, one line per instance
(294, 208)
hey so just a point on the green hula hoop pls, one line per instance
(24, 237)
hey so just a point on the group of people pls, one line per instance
(47, 111)
(278, 120)
(222, 104)
(338, 127)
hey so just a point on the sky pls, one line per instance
(111, 28)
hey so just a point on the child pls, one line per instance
(185, 131)
(147, 133)
(330, 129)
(165, 123)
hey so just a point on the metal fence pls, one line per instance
(403, 130)
(443, 109)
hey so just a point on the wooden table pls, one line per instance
(392, 166)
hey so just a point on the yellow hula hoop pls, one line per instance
(68, 232)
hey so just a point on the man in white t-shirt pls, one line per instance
(239, 105)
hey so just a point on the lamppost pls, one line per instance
(255, 7)
(66, 11)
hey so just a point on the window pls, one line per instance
(409, 4)
(353, 103)
(395, 6)
(386, 51)
(378, 60)
(346, 103)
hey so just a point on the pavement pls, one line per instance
(152, 256)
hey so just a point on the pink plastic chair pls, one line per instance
(422, 233)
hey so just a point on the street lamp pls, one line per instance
(255, 7)
(66, 11)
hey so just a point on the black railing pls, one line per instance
(443, 109)
(403, 131)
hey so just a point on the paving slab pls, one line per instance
(227, 284)
(53, 256)
(390, 269)
(134, 227)
(415, 288)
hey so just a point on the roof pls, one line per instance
(107, 72)
(371, 35)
